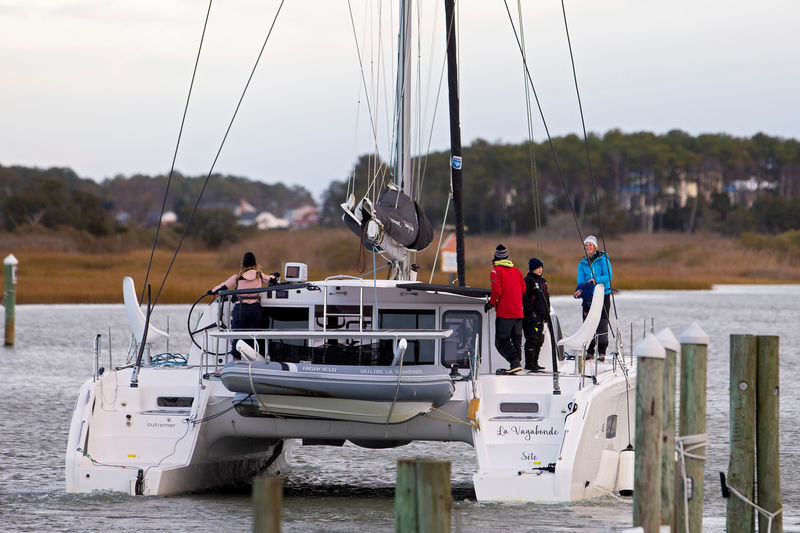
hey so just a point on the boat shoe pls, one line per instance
(510, 372)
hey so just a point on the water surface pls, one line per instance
(350, 489)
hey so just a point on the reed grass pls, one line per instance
(53, 272)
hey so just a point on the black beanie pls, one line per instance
(534, 263)
(501, 252)
(249, 260)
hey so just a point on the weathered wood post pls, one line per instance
(267, 504)
(768, 460)
(692, 429)
(422, 498)
(647, 466)
(668, 429)
(741, 473)
(10, 296)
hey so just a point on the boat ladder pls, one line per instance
(359, 315)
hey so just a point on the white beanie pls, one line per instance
(591, 239)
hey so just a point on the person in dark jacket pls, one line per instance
(595, 268)
(536, 307)
(507, 289)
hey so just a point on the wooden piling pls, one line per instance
(668, 429)
(422, 499)
(647, 465)
(692, 424)
(768, 460)
(741, 473)
(267, 504)
(10, 296)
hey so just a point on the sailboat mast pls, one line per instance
(402, 173)
(455, 138)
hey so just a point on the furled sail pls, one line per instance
(403, 220)
(395, 216)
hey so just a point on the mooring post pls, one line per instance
(10, 296)
(668, 429)
(647, 464)
(741, 469)
(267, 504)
(422, 499)
(768, 460)
(692, 429)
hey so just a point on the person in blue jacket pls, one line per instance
(595, 268)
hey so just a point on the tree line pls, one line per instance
(642, 181)
(57, 197)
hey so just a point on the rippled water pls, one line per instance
(350, 489)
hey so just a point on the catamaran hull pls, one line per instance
(568, 451)
(122, 440)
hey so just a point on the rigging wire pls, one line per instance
(175, 154)
(537, 215)
(588, 157)
(219, 151)
(544, 122)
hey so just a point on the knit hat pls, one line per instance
(249, 260)
(501, 252)
(534, 263)
(590, 239)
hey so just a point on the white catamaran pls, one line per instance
(379, 363)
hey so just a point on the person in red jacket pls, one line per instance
(507, 289)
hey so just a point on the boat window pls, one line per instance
(286, 318)
(419, 352)
(460, 346)
(518, 407)
(174, 401)
(611, 426)
(342, 317)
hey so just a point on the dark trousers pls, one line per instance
(246, 316)
(534, 339)
(508, 339)
(601, 334)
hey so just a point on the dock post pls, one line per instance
(267, 504)
(422, 499)
(647, 466)
(741, 473)
(768, 459)
(10, 296)
(692, 429)
(671, 347)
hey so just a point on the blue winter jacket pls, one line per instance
(600, 270)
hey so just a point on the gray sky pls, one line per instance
(100, 86)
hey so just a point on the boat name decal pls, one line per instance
(159, 425)
(527, 433)
(317, 368)
(528, 456)
(389, 371)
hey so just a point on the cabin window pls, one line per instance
(342, 317)
(286, 318)
(460, 346)
(419, 352)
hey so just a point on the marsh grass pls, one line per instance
(51, 271)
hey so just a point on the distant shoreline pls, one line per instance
(668, 261)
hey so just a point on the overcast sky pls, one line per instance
(99, 86)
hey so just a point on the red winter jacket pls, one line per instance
(507, 289)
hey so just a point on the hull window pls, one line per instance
(611, 427)
(460, 346)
